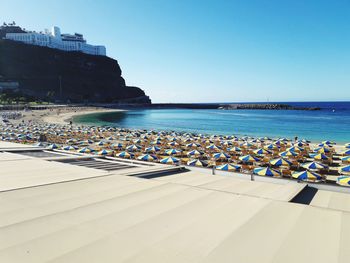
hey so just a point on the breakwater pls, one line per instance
(233, 106)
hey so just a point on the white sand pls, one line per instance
(59, 116)
(65, 117)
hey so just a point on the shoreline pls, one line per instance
(65, 118)
(63, 115)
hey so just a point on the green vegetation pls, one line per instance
(15, 98)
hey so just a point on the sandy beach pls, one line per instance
(64, 115)
(58, 115)
(241, 154)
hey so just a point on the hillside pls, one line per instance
(66, 76)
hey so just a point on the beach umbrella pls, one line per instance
(207, 141)
(246, 145)
(221, 155)
(307, 176)
(344, 169)
(147, 157)
(173, 144)
(192, 145)
(71, 141)
(101, 143)
(280, 162)
(295, 149)
(320, 156)
(229, 167)
(156, 142)
(105, 152)
(279, 143)
(213, 147)
(228, 141)
(288, 154)
(170, 160)
(197, 162)
(117, 145)
(270, 147)
(345, 159)
(343, 180)
(188, 140)
(137, 141)
(194, 153)
(85, 150)
(234, 149)
(324, 145)
(125, 155)
(172, 151)
(260, 140)
(314, 166)
(52, 146)
(322, 150)
(87, 142)
(347, 145)
(69, 148)
(152, 149)
(248, 158)
(300, 144)
(133, 148)
(347, 152)
(328, 142)
(266, 171)
(261, 151)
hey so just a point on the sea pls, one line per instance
(332, 122)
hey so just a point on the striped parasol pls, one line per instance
(280, 162)
(248, 158)
(125, 155)
(266, 171)
(343, 180)
(314, 166)
(147, 157)
(344, 169)
(221, 155)
(172, 151)
(85, 150)
(229, 167)
(197, 162)
(307, 176)
(170, 160)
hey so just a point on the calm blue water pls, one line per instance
(312, 125)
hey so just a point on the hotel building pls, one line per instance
(54, 39)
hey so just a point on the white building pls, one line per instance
(54, 39)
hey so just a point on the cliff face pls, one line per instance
(72, 76)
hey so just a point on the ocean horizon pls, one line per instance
(329, 123)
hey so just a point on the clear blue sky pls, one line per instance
(210, 51)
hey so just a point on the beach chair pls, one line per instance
(286, 173)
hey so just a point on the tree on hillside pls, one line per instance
(50, 95)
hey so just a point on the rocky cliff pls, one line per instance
(65, 76)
